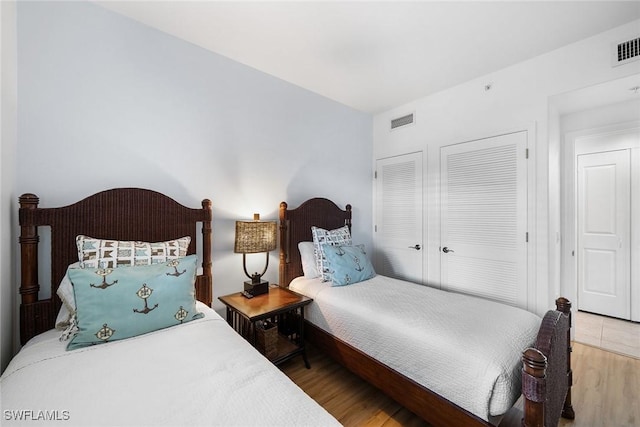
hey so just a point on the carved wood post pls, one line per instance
(564, 306)
(284, 245)
(534, 365)
(206, 250)
(29, 239)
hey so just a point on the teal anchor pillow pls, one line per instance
(347, 264)
(118, 303)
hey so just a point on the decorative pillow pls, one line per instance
(65, 292)
(113, 304)
(308, 258)
(348, 264)
(321, 237)
(103, 253)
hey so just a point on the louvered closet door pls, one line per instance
(484, 218)
(398, 228)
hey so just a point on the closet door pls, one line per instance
(398, 228)
(484, 218)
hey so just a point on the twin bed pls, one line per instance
(201, 372)
(452, 359)
(196, 373)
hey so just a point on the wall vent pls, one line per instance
(626, 51)
(402, 121)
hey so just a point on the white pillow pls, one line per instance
(338, 237)
(65, 292)
(308, 258)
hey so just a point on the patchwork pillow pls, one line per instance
(322, 237)
(65, 292)
(118, 303)
(104, 253)
(308, 258)
(348, 264)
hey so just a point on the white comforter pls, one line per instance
(196, 374)
(466, 349)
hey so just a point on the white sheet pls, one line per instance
(466, 349)
(196, 374)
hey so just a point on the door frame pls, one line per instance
(575, 144)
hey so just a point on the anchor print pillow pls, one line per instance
(118, 303)
(108, 253)
(347, 264)
(321, 238)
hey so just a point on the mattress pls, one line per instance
(466, 349)
(197, 374)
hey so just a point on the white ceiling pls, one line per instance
(373, 56)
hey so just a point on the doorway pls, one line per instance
(603, 181)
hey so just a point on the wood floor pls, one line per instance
(606, 391)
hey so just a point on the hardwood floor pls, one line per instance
(606, 391)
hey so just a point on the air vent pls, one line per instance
(626, 51)
(402, 121)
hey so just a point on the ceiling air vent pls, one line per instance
(626, 51)
(402, 121)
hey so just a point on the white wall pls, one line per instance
(107, 102)
(518, 100)
(7, 177)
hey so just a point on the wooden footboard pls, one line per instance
(546, 371)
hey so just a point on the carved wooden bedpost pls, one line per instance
(564, 306)
(206, 250)
(533, 387)
(284, 244)
(29, 239)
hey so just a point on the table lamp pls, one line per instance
(254, 237)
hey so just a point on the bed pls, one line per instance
(419, 354)
(196, 371)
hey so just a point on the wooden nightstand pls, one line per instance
(280, 307)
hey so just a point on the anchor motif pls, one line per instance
(181, 314)
(357, 261)
(105, 333)
(340, 251)
(104, 272)
(145, 292)
(175, 263)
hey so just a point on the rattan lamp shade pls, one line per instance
(255, 236)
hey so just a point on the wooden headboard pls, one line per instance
(118, 214)
(295, 227)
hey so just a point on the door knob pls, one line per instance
(416, 247)
(446, 250)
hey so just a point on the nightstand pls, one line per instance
(276, 318)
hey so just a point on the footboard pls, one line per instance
(546, 371)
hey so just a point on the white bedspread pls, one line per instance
(196, 374)
(466, 349)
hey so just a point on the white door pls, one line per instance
(484, 218)
(398, 228)
(604, 254)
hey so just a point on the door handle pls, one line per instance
(416, 247)
(446, 250)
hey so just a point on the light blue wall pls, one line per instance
(107, 102)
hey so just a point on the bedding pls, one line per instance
(196, 373)
(410, 328)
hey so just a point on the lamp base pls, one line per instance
(259, 288)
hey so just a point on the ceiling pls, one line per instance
(373, 56)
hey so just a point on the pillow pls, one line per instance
(103, 253)
(348, 264)
(321, 237)
(65, 292)
(308, 258)
(113, 304)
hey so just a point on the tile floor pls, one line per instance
(618, 336)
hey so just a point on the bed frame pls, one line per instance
(546, 373)
(119, 214)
